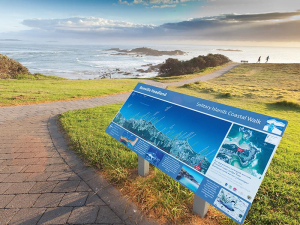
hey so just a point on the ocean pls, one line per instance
(93, 61)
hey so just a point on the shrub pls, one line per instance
(288, 103)
(175, 67)
(10, 68)
(225, 95)
(171, 65)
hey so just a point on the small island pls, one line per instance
(145, 51)
(10, 39)
(229, 50)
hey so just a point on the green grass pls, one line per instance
(270, 83)
(30, 89)
(261, 88)
(271, 89)
(158, 193)
(203, 72)
(35, 76)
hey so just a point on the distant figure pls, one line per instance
(267, 59)
(258, 61)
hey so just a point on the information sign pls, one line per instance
(219, 152)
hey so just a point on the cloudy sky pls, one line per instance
(249, 22)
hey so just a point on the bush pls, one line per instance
(174, 67)
(10, 68)
(288, 103)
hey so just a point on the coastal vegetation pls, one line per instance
(19, 87)
(271, 89)
(175, 67)
(207, 70)
(10, 68)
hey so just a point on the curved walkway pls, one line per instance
(42, 182)
(203, 78)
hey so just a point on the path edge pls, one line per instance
(121, 205)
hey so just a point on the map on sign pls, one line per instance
(221, 153)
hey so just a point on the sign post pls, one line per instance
(143, 167)
(200, 206)
(219, 152)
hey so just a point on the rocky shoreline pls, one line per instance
(151, 68)
(139, 52)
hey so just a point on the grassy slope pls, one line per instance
(29, 91)
(271, 89)
(250, 86)
(188, 76)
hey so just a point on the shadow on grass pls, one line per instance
(283, 106)
(224, 95)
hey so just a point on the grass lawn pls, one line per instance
(271, 89)
(159, 195)
(30, 91)
(188, 76)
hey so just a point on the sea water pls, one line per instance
(94, 61)
(188, 183)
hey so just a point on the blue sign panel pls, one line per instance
(219, 152)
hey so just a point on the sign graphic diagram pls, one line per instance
(221, 153)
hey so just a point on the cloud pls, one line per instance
(139, 2)
(248, 27)
(81, 24)
(163, 6)
(160, 1)
(260, 17)
(270, 27)
(124, 2)
(155, 2)
(228, 18)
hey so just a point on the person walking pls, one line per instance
(258, 61)
(267, 59)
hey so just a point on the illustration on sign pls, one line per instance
(275, 126)
(231, 204)
(158, 122)
(128, 139)
(221, 153)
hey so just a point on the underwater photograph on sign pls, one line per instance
(154, 156)
(247, 150)
(190, 136)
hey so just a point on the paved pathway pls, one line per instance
(203, 78)
(42, 182)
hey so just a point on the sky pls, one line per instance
(249, 22)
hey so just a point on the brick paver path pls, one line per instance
(42, 182)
